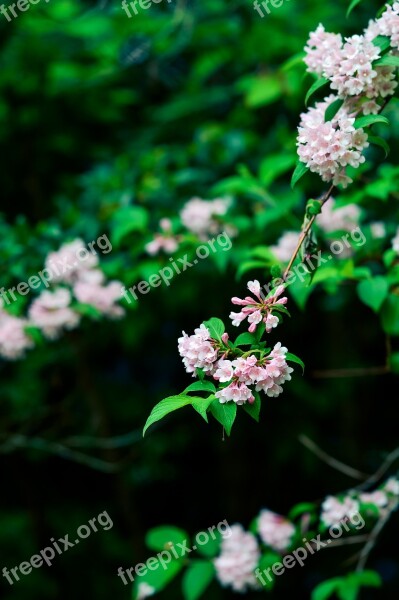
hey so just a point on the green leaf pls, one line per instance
(367, 578)
(275, 165)
(267, 577)
(197, 578)
(170, 404)
(352, 5)
(332, 109)
(299, 172)
(200, 374)
(254, 409)
(348, 590)
(249, 265)
(387, 61)
(200, 386)
(368, 120)
(300, 509)
(294, 61)
(383, 42)
(245, 339)
(316, 86)
(295, 359)
(212, 547)
(216, 328)
(201, 405)
(128, 220)
(159, 577)
(379, 141)
(224, 413)
(373, 292)
(326, 589)
(390, 315)
(160, 538)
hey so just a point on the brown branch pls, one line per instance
(365, 553)
(330, 460)
(305, 232)
(382, 469)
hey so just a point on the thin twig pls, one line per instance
(382, 469)
(305, 232)
(355, 539)
(112, 442)
(330, 460)
(17, 442)
(373, 538)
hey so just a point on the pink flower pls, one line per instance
(144, 591)
(202, 217)
(392, 486)
(70, 261)
(13, 340)
(344, 218)
(395, 242)
(238, 560)
(275, 372)
(50, 312)
(165, 241)
(275, 531)
(349, 65)
(198, 351)
(236, 392)
(285, 246)
(378, 230)
(267, 373)
(388, 24)
(259, 309)
(224, 371)
(378, 497)
(334, 510)
(91, 289)
(328, 147)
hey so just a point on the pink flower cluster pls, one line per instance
(68, 263)
(166, 241)
(335, 510)
(13, 340)
(203, 217)
(198, 351)
(243, 373)
(260, 309)
(285, 246)
(395, 242)
(238, 560)
(328, 147)
(388, 24)
(349, 66)
(52, 310)
(267, 374)
(275, 531)
(344, 218)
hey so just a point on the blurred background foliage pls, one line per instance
(108, 124)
